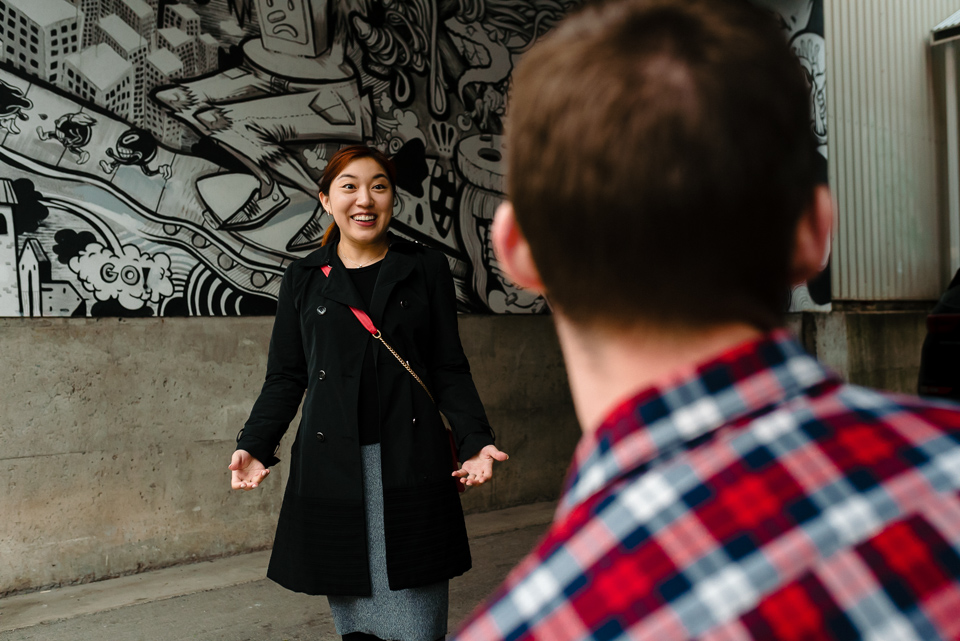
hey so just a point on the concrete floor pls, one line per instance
(229, 600)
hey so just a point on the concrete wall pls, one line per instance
(872, 348)
(115, 436)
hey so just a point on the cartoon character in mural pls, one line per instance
(74, 131)
(135, 148)
(12, 104)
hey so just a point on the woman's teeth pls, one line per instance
(364, 218)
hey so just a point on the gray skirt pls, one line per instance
(414, 614)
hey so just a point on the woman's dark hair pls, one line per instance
(339, 162)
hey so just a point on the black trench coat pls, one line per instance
(318, 345)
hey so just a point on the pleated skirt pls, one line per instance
(414, 614)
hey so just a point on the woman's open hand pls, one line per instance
(479, 468)
(248, 472)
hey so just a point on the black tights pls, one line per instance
(363, 636)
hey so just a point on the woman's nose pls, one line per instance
(364, 197)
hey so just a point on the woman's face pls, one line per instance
(361, 201)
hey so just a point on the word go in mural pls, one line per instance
(161, 158)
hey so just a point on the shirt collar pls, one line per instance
(656, 423)
(325, 255)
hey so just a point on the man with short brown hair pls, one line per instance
(663, 197)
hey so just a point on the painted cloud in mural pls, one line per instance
(131, 277)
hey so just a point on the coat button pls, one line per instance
(321, 310)
(321, 437)
(404, 304)
(322, 375)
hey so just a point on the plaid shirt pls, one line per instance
(755, 498)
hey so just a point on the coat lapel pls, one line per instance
(337, 286)
(397, 265)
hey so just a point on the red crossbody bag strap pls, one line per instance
(359, 313)
(368, 325)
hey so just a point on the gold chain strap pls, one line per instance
(405, 364)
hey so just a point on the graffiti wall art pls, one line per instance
(803, 26)
(160, 158)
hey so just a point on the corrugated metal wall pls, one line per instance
(882, 134)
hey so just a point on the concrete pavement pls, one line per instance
(230, 600)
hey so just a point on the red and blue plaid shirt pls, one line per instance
(757, 497)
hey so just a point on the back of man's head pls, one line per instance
(660, 155)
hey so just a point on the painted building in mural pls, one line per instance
(39, 34)
(101, 76)
(182, 17)
(161, 157)
(141, 17)
(130, 46)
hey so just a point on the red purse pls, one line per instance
(368, 325)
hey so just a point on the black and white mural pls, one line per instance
(802, 22)
(161, 157)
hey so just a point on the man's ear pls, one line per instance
(512, 250)
(811, 245)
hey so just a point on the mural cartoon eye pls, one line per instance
(130, 275)
(108, 272)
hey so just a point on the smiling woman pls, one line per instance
(371, 516)
(357, 189)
